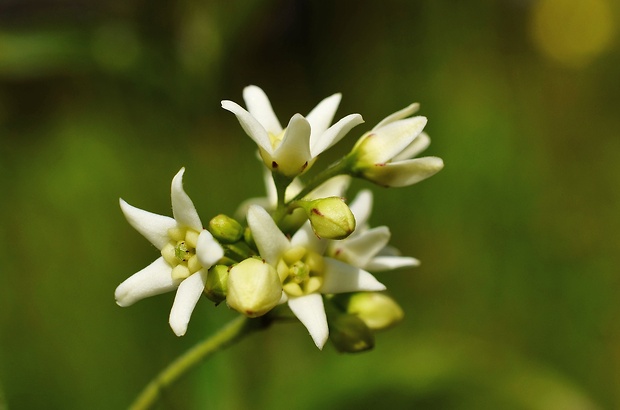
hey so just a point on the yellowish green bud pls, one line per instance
(349, 334)
(216, 287)
(225, 229)
(376, 309)
(330, 217)
(249, 238)
(254, 287)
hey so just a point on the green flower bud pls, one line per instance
(349, 334)
(225, 229)
(254, 287)
(217, 283)
(377, 310)
(249, 238)
(330, 217)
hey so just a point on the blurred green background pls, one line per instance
(515, 305)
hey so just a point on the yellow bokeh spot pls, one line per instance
(572, 32)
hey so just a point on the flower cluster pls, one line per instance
(302, 250)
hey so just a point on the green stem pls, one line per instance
(341, 167)
(281, 182)
(226, 336)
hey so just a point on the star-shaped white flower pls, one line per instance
(293, 150)
(188, 251)
(366, 247)
(385, 154)
(304, 271)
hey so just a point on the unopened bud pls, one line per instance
(330, 217)
(249, 238)
(376, 309)
(349, 334)
(216, 286)
(225, 229)
(254, 287)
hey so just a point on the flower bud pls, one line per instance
(377, 310)
(225, 229)
(330, 217)
(254, 287)
(249, 238)
(216, 286)
(386, 154)
(349, 334)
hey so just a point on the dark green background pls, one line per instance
(515, 305)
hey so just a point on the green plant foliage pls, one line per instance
(515, 304)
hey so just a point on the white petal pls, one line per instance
(325, 140)
(419, 144)
(384, 263)
(250, 125)
(259, 106)
(242, 210)
(341, 277)
(335, 186)
(152, 280)
(152, 226)
(185, 301)
(270, 241)
(361, 207)
(183, 208)
(404, 173)
(270, 187)
(306, 238)
(270, 202)
(386, 142)
(323, 114)
(292, 190)
(405, 112)
(360, 249)
(293, 153)
(208, 250)
(310, 311)
(389, 250)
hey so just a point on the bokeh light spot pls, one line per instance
(572, 32)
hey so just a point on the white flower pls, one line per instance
(384, 155)
(304, 271)
(366, 247)
(188, 251)
(292, 150)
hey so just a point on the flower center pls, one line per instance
(180, 252)
(276, 140)
(301, 271)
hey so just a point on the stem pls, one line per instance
(226, 336)
(281, 182)
(341, 167)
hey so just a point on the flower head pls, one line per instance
(385, 154)
(305, 272)
(292, 150)
(187, 252)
